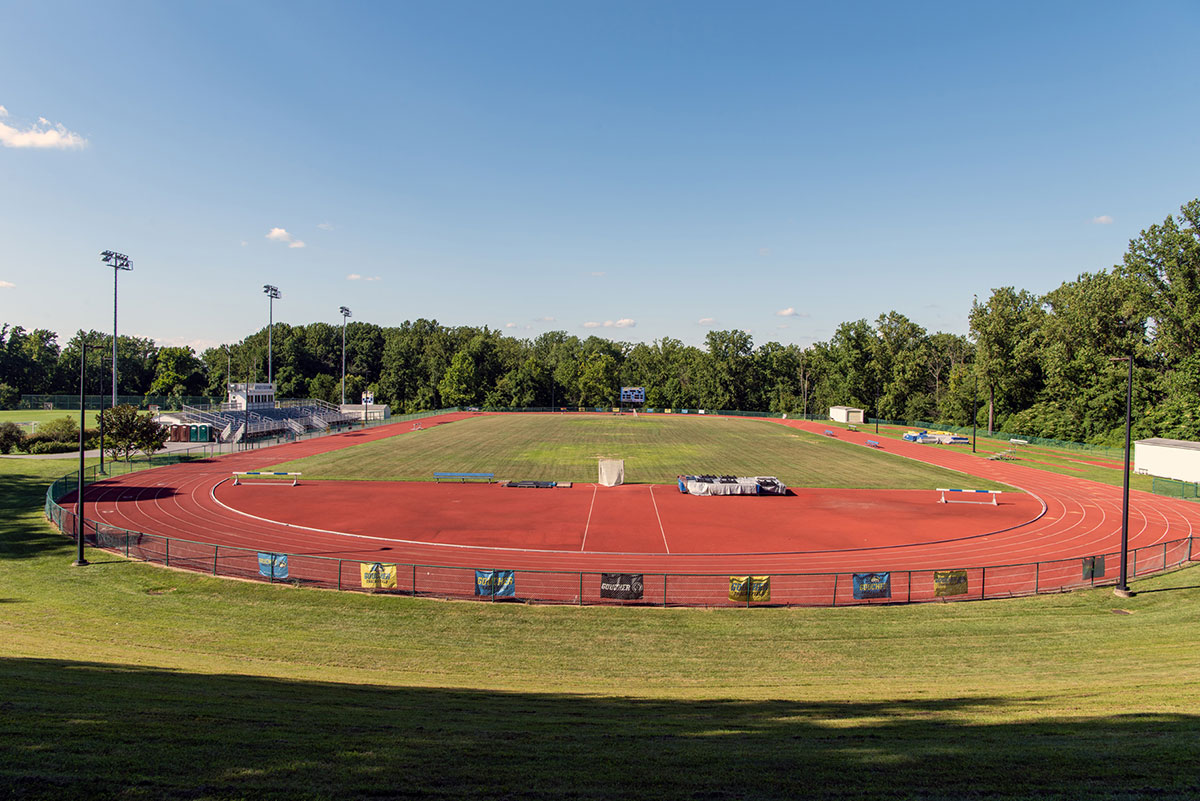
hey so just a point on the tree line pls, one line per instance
(1042, 365)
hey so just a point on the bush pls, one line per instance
(60, 429)
(11, 437)
(53, 447)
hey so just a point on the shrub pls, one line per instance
(53, 447)
(60, 429)
(10, 437)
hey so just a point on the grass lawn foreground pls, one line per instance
(122, 680)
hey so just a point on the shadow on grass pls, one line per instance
(21, 492)
(74, 729)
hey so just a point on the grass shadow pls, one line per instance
(78, 729)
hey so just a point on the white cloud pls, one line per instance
(624, 322)
(1103, 219)
(198, 345)
(545, 320)
(510, 325)
(764, 251)
(43, 134)
(6, 284)
(598, 274)
(244, 243)
(788, 312)
(782, 325)
(281, 235)
(325, 226)
(357, 277)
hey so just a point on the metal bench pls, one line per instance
(874, 443)
(829, 432)
(464, 477)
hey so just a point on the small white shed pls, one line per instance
(1167, 458)
(846, 414)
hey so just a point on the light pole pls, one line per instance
(118, 261)
(228, 374)
(974, 410)
(345, 313)
(79, 560)
(1122, 589)
(272, 293)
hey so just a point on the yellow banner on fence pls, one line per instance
(378, 576)
(949, 582)
(750, 588)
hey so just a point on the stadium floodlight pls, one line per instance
(345, 312)
(118, 261)
(273, 294)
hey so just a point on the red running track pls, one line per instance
(653, 529)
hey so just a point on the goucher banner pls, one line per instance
(750, 588)
(949, 582)
(378, 576)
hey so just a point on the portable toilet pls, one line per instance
(205, 432)
(194, 433)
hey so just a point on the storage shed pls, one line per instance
(846, 414)
(1167, 458)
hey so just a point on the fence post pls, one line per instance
(167, 552)
(216, 549)
(664, 590)
(909, 600)
(835, 578)
(1037, 574)
(414, 581)
(581, 588)
(983, 583)
(339, 574)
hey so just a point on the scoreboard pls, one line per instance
(633, 394)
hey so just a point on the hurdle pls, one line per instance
(295, 477)
(967, 493)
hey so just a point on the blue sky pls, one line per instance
(636, 170)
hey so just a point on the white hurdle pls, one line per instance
(968, 492)
(295, 477)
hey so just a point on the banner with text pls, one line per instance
(750, 588)
(949, 582)
(272, 565)
(872, 585)
(495, 583)
(377, 576)
(623, 586)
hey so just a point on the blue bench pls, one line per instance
(464, 477)
(874, 443)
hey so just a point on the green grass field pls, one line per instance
(39, 416)
(124, 681)
(655, 449)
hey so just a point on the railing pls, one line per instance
(584, 587)
(1187, 490)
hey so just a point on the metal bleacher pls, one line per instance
(297, 416)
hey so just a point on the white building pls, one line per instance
(257, 396)
(1167, 458)
(846, 414)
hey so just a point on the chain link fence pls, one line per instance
(953, 583)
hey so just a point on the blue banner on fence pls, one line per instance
(495, 583)
(872, 585)
(272, 565)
